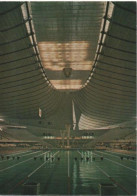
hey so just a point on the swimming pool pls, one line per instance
(67, 172)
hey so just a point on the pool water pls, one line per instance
(63, 172)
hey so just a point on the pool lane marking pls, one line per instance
(21, 156)
(68, 174)
(116, 163)
(111, 155)
(17, 153)
(68, 165)
(121, 154)
(20, 163)
(113, 180)
(20, 182)
(105, 173)
(40, 166)
(30, 153)
(79, 152)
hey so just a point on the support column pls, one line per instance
(68, 134)
(62, 136)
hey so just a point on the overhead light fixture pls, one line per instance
(87, 81)
(66, 57)
(55, 55)
(93, 69)
(67, 84)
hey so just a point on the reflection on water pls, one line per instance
(85, 174)
(49, 160)
(74, 177)
(86, 171)
(86, 154)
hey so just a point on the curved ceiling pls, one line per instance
(104, 78)
(67, 34)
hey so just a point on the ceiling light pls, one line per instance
(55, 57)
